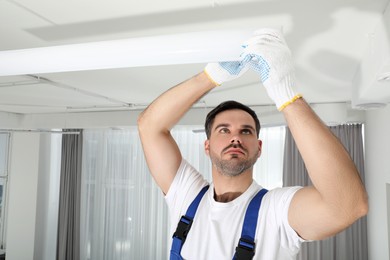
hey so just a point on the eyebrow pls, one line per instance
(221, 125)
(242, 126)
(248, 127)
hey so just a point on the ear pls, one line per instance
(207, 146)
(260, 145)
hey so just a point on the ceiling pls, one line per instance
(332, 41)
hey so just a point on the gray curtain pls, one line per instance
(68, 238)
(351, 244)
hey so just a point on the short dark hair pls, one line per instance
(229, 105)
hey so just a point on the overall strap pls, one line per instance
(184, 226)
(246, 245)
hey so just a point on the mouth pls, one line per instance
(234, 151)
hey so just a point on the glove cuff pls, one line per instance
(213, 79)
(281, 93)
(215, 73)
(297, 96)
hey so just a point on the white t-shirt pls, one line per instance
(217, 226)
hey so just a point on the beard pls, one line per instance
(234, 166)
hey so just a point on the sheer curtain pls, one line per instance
(123, 213)
(268, 170)
(351, 243)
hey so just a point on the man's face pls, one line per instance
(233, 146)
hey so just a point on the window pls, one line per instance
(123, 213)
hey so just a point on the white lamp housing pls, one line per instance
(195, 47)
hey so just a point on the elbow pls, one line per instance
(363, 207)
(149, 125)
(345, 218)
(358, 202)
(360, 209)
(355, 210)
(141, 121)
(143, 125)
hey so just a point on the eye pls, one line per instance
(246, 131)
(224, 130)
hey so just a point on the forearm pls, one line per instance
(154, 124)
(171, 106)
(329, 165)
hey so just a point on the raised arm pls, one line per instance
(154, 124)
(337, 197)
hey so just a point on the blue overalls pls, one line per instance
(246, 245)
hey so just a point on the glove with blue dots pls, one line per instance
(271, 59)
(226, 71)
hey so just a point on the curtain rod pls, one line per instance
(40, 131)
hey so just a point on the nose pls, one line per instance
(235, 140)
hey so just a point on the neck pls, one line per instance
(228, 188)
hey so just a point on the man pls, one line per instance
(287, 216)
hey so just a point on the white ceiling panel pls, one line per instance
(328, 39)
(37, 95)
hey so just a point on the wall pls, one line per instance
(388, 214)
(33, 196)
(377, 137)
(45, 246)
(32, 182)
(22, 200)
(10, 120)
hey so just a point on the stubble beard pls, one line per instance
(234, 166)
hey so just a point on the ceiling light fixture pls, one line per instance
(195, 47)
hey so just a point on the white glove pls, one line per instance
(271, 58)
(226, 71)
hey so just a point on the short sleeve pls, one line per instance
(282, 197)
(184, 188)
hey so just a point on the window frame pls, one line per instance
(4, 196)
